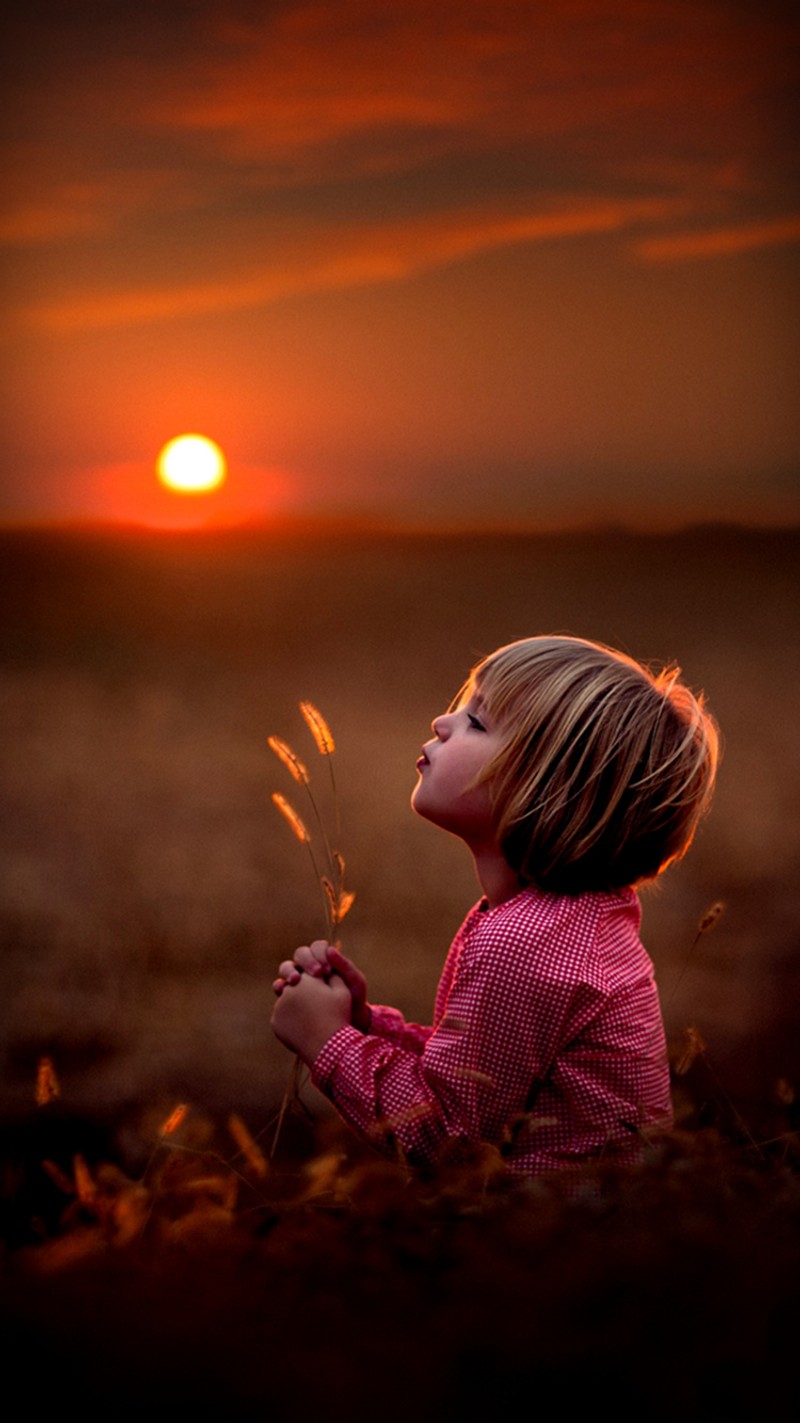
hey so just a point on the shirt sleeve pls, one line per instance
(501, 1026)
(390, 1024)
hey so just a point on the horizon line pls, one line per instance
(372, 525)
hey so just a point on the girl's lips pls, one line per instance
(422, 761)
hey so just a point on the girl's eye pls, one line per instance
(473, 721)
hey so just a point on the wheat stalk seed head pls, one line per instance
(291, 817)
(174, 1120)
(47, 1088)
(247, 1145)
(711, 916)
(318, 726)
(289, 758)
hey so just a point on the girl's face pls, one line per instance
(466, 740)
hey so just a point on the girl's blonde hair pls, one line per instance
(605, 768)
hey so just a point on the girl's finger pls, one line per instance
(311, 962)
(320, 950)
(289, 971)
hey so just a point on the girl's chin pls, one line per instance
(418, 803)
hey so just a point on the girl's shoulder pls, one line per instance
(543, 911)
(563, 935)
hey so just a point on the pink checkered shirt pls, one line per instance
(547, 1041)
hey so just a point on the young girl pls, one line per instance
(572, 774)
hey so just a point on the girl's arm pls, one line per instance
(383, 1022)
(477, 1070)
(532, 1048)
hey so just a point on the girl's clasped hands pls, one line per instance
(319, 991)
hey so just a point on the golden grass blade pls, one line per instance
(318, 726)
(85, 1188)
(692, 1046)
(323, 1174)
(130, 1213)
(47, 1088)
(247, 1145)
(344, 905)
(59, 1177)
(174, 1120)
(451, 1024)
(783, 1091)
(384, 1126)
(289, 758)
(292, 1094)
(711, 916)
(523, 1124)
(291, 817)
(473, 1074)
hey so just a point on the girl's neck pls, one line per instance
(495, 876)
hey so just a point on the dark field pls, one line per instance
(149, 889)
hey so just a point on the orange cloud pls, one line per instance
(320, 90)
(719, 242)
(463, 73)
(347, 258)
(40, 207)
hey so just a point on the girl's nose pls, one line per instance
(441, 726)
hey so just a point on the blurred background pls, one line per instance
(150, 887)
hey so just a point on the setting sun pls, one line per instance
(191, 464)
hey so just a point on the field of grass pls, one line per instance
(340, 1286)
(149, 889)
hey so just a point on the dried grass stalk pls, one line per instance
(340, 901)
(47, 1087)
(344, 904)
(473, 1074)
(85, 1188)
(174, 1120)
(337, 901)
(318, 726)
(59, 1177)
(385, 1126)
(711, 916)
(248, 1146)
(289, 758)
(692, 1046)
(451, 1024)
(292, 818)
(784, 1092)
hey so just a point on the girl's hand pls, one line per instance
(321, 959)
(309, 958)
(308, 1017)
(360, 1011)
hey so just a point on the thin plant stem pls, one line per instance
(336, 902)
(290, 1095)
(737, 1116)
(329, 853)
(318, 878)
(336, 807)
(707, 922)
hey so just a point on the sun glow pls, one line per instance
(191, 464)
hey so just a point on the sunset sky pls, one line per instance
(428, 262)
